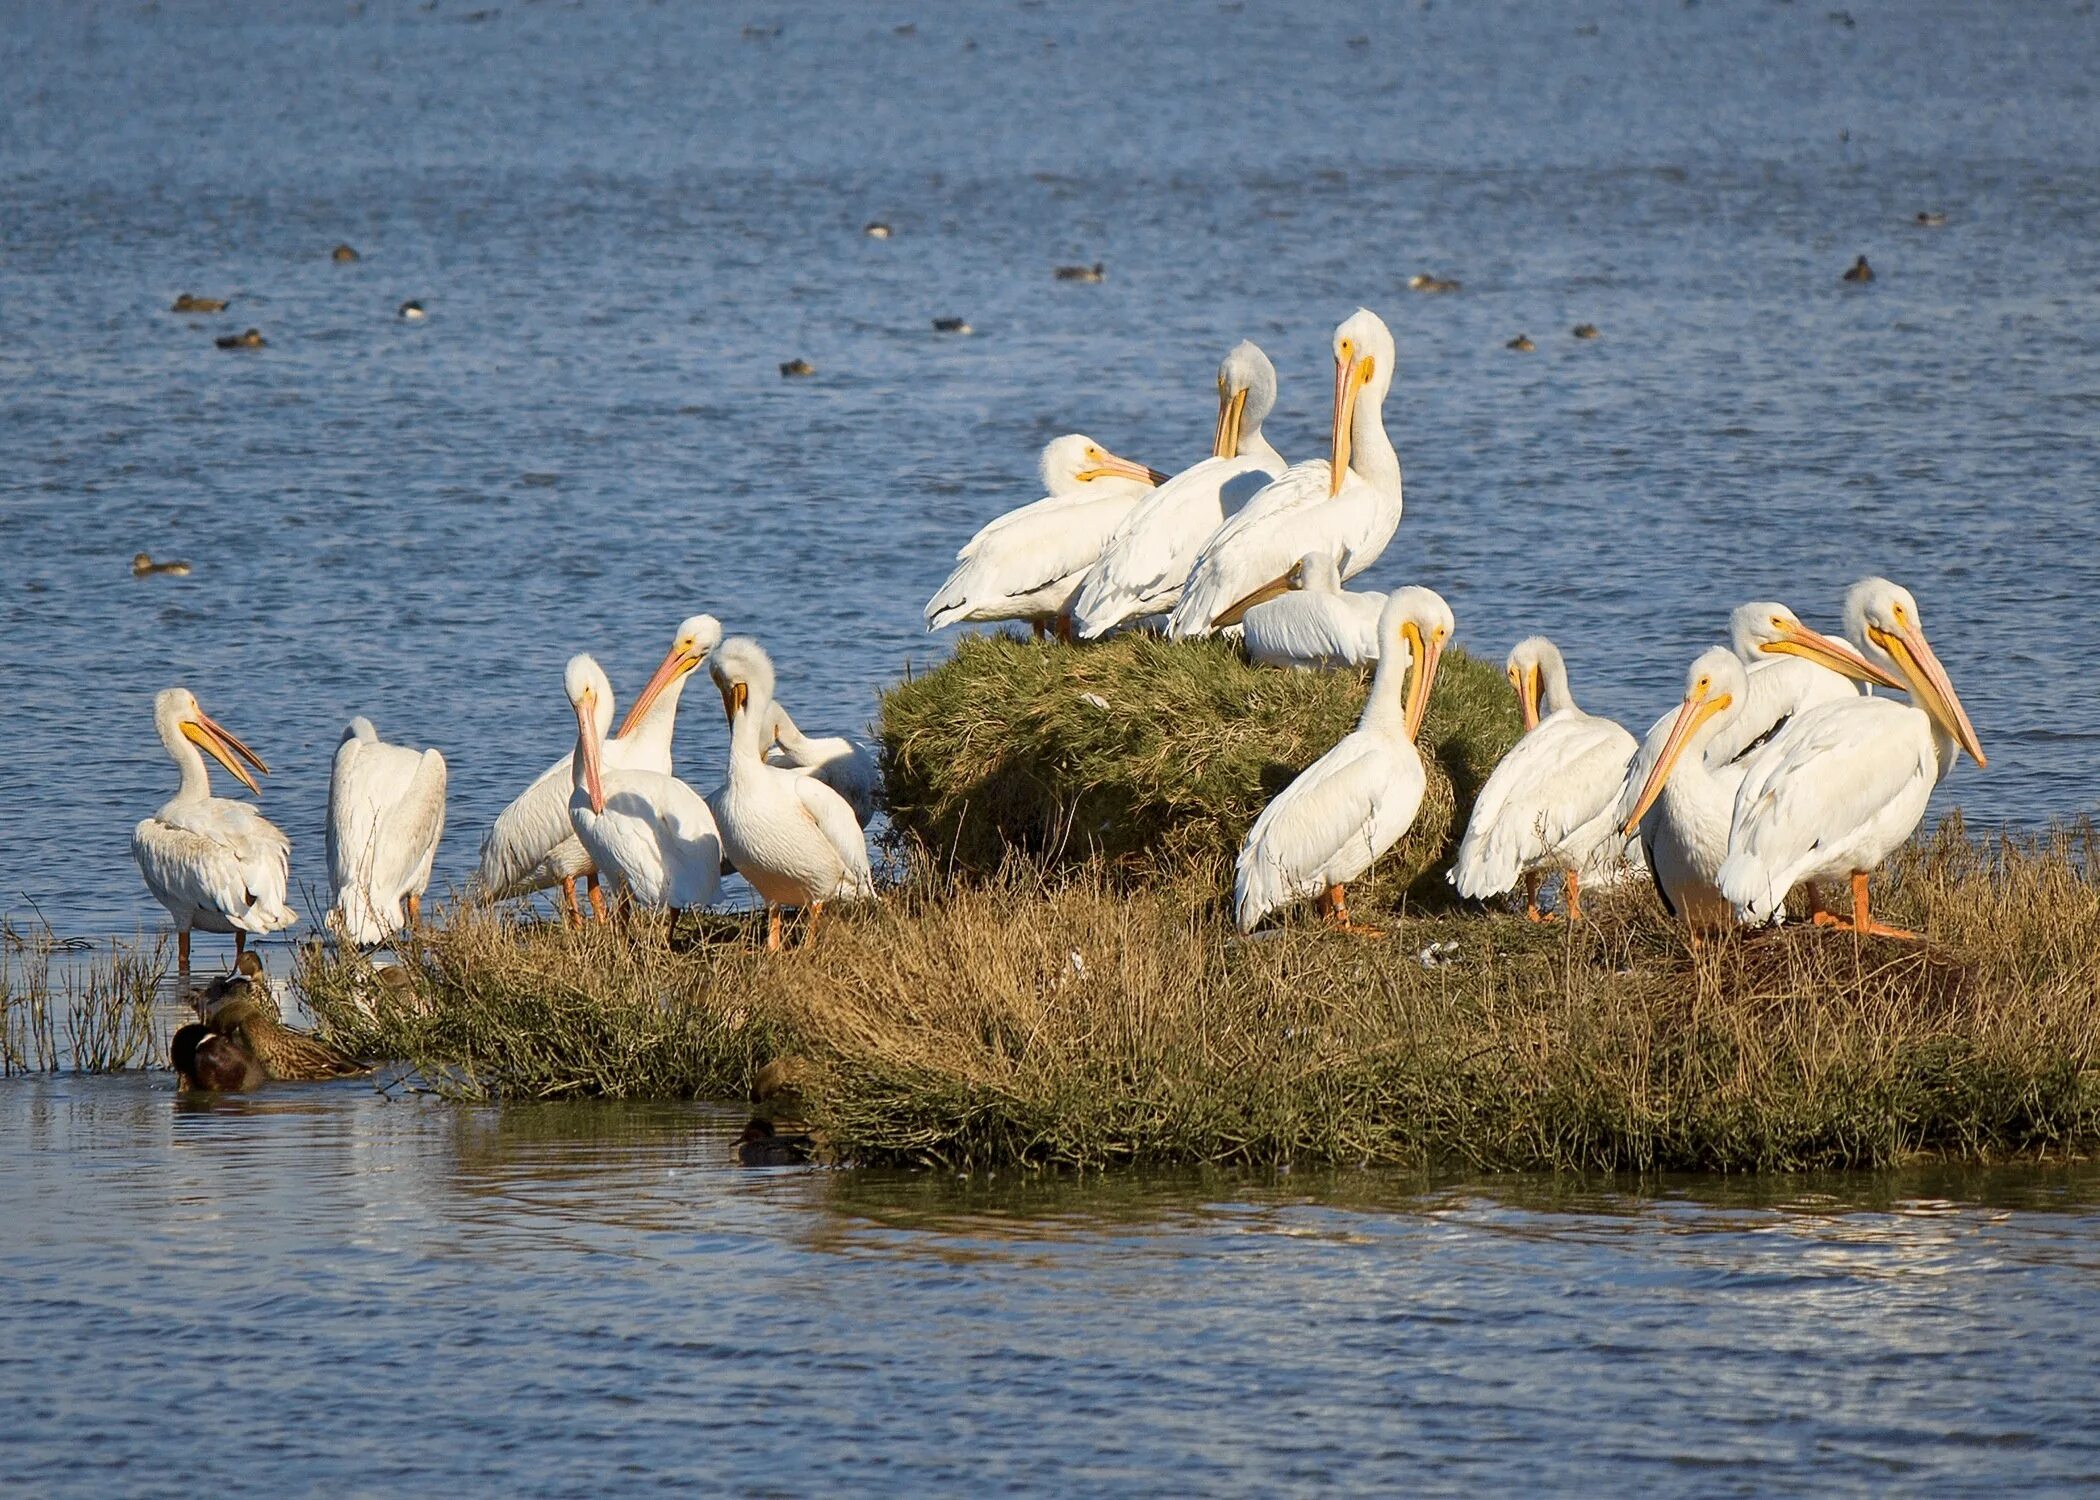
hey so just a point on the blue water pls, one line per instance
(622, 217)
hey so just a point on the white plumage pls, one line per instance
(648, 833)
(1317, 625)
(532, 845)
(1146, 562)
(212, 862)
(1028, 563)
(386, 812)
(1348, 505)
(791, 836)
(1684, 803)
(1547, 808)
(846, 766)
(1356, 801)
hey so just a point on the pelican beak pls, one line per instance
(224, 747)
(1112, 467)
(1232, 411)
(1350, 373)
(734, 696)
(1698, 708)
(1926, 682)
(683, 658)
(1426, 655)
(1811, 645)
(587, 736)
(1528, 698)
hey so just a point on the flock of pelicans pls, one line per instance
(1779, 770)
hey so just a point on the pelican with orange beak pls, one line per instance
(1682, 808)
(1347, 505)
(1360, 798)
(212, 862)
(1844, 785)
(1028, 563)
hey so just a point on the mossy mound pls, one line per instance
(1155, 755)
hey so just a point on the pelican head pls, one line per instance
(697, 637)
(361, 729)
(1363, 371)
(743, 672)
(1072, 462)
(179, 717)
(1415, 626)
(1246, 396)
(1882, 619)
(1533, 661)
(1762, 628)
(1714, 685)
(590, 694)
(1318, 573)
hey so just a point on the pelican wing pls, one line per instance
(1555, 783)
(230, 859)
(1291, 516)
(1037, 512)
(1307, 629)
(1779, 687)
(1343, 811)
(535, 824)
(657, 837)
(386, 811)
(833, 816)
(1145, 561)
(1025, 552)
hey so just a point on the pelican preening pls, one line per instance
(532, 845)
(1348, 504)
(212, 862)
(1145, 563)
(1028, 563)
(386, 812)
(844, 765)
(1358, 800)
(791, 836)
(1548, 807)
(1317, 625)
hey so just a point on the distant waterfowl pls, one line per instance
(214, 863)
(1930, 219)
(1846, 784)
(1521, 343)
(1348, 505)
(209, 1062)
(1860, 271)
(189, 304)
(1318, 625)
(877, 230)
(1028, 564)
(343, 253)
(647, 832)
(1359, 799)
(1095, 272)
(1146, 560)
(412, 312)
(1422, 281)
(1358, 43)
(796, 367)
(143, 566)
(844, 765)
(1548, 807)
(1585, 330)
(247, 339)
(386, 813)
(532, 845)
(286, 1054)
(760, 33)
(791, 836)
(952, 325)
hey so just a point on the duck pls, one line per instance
(247, 339)
(1521, 343)
(796, 367)
(247, 977)
(412, 312)
(876, 230)
(143, 566)
(845, 766)
(207, 1062)
(952, 325)
(791, 836)
(1095, 272)
(1586, 330)
(287, 1055)
(1930, 218)
(1860, 271)
(1422, 281)
(187, 303)
(779, 1134)
(343, 254)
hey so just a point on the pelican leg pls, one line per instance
(1036, 630)
(597, 901)
(809, 933)
(240, 943)
(1338, 915)
(1574, 896)
(1819, 913)
(182, 952)
(1863, 916)
(772, 928)
(572, 913)
(1531, 900)
(1063, 627)
(415, 912)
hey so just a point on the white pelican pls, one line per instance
(844, 765)
(790, 835)
(1356, 801)
(386, 811)
(648, 833)
(1142, 569)
(1548, 806)
(1318, 624)
(212, 862)
(1348, 505)
(1846, 783)
(531, 845)
(1027, 564)
(1687, 836)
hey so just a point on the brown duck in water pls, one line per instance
(795, 367)
(143, 566)
(1585, 330)
(1422, 281)
(248, 1017)
(250, 339)
(188, 304)
(1095, 272)
(1521, 343)
(205, 1060)
(344, 254)
(777, 1135)
(1860, 271)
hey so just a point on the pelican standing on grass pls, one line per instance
(212, 862)
(1317, 625)
(1348, 504)
(1028, 563)
(532, 845)
(1547, 808)
(791, 836)
(647, 832)
(1358, 800)
(1845, 784)
(1691, 799)
(844, 765)
(386, 812)
(1145, 563)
